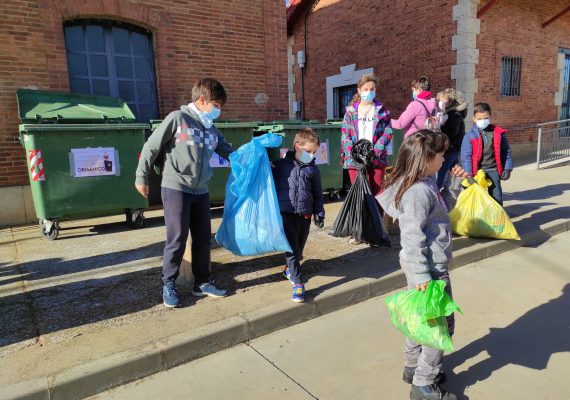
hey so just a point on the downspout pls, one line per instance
(306, 61)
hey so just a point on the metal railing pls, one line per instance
(553, 142)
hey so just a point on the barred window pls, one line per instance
(511, 76)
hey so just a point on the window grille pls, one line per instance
(511, 76)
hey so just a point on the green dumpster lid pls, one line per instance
(293, 122)
(281, 128)
(45, 106)
(245, 124)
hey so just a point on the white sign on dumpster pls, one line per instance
(322, 156)
(217, 161)
(99, 161)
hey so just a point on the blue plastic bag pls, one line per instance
(252, 223)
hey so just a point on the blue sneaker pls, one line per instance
(298, 293)
(170, 296)
(287, 274)
(209, 289)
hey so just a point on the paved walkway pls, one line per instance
(93, 294)
(512, 342)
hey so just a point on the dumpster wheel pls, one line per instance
(135, 218)
(334, 195)
(49, 229)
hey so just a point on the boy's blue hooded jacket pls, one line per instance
(298, 186)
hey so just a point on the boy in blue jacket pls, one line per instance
(300, 195)
(486, 147)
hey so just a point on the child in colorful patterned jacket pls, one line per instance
(367, 118)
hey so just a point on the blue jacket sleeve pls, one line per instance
(223, 149)
(466, 155)
(506, 153)
(317, 188)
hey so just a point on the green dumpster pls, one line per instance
(154, 179)
(328, 157)
(236, 134)
(397, 139)
(82, 154)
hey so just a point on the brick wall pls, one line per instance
(241, 43)
(513, 28)
(401, 40)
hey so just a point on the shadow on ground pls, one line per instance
(32, 313)
(529, 341)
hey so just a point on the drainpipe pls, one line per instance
(305, 58)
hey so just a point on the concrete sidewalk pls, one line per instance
(83, 313)
(512, 342)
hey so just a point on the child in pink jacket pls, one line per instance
(418, 111)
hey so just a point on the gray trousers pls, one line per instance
(426, 360)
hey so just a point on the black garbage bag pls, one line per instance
(362, 153)
(360, 216)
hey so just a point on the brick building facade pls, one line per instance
(510, 53)
(241, 43)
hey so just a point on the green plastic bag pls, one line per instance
(421, 315)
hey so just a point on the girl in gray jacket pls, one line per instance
(411, 195)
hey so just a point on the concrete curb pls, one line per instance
(115, 370)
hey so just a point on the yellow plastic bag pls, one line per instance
(477, 214)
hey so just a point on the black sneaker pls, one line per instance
(408, 376)
(430, 392)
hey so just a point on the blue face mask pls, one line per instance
(483, 123)
(305, 157)
(207, 118)
(214, 113)
(367, 96)
(414, 95)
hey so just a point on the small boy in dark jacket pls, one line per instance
(486, 147)
(300, 195)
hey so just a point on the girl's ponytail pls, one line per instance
(355, 98)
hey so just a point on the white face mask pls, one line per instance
(483, 123)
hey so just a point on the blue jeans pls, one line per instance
(450, 159)
(296, 229)
(185, 212)
(495, 189)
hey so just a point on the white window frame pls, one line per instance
(349, 75)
